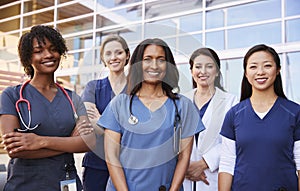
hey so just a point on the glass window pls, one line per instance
(73, 10)
(292, 7)
(36, 5)
(160, 29)
(293, 78)
(214, 19)
(248, 36)
(185, 77)
(77, 25)
(191, 23)
(79, 42)
(292, 30)
(165, 7)
(10, 11)
(39, 18)
(188, 43)
(10, 25)
(134, 33)
(257, 11)
(215, 40)
(232, 71)
(115, 3)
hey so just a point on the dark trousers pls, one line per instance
(94, 179)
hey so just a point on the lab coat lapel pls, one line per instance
(211, 120)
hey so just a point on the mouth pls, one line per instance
(261, 80)
(115, 63)
(153, 74)
(203, 77)
(49, 63)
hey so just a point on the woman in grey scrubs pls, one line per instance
(42, 123)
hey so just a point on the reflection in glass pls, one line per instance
(215, 40)
(215, 19)
(191, 23)
(73, 10)
(76, 25)
(188, 43)
(10, 11)
(292, 30)
(36, 5)
(10, 25)
(292, 7)
(38, 18)
(232, 71)
(160, 29)
(292, 77)
(248, 36)
(116, 3)
(257, 11)
(165, 7)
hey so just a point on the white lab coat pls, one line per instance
(209, 140)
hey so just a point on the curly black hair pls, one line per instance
(39, 32)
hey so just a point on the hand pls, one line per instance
(92, 111)
(15, 142)
(82, 128)
(196, 172)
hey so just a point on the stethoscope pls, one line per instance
(22, 99)
(133, 120)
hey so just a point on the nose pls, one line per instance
(202, 70)
(260, 70)
(48, 53)
(154, 63)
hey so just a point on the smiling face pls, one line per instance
(261, 71)
(204, 71)
(45, 57)
(114, 56)
(154, 64)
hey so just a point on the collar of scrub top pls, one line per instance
(22, 99)
(133, 120)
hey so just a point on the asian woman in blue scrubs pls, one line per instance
(97, 94)
(42, 139)
(149, 131)
(261, 134)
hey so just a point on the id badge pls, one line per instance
(68, 185)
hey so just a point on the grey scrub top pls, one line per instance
(55, 119)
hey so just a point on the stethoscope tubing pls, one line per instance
(22, 99)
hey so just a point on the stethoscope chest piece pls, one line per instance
(133, 120)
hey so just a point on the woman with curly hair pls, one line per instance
(43, 124)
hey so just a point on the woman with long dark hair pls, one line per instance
(149, 131)
(261, 134)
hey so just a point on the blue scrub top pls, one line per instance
(55, 119)
(264, 147)
(147, 150)
(100, 93)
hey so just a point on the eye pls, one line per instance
(147, 60)
(252, 67)
(161, 61)
(107, 53)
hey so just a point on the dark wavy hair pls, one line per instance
(135, 75)
(119, 39)
(246, 88)
(39, 32)
(214, 56)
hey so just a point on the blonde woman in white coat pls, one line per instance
(212, 102)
